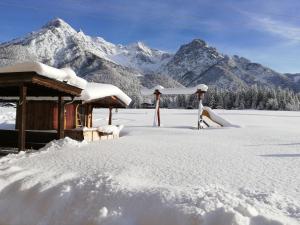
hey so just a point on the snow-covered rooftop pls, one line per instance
(95, 91)
(174, 91)
(65, 74)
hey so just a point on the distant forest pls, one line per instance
(262, 98)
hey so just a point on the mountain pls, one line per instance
(196, 63)
(132, 66)
(58, 44)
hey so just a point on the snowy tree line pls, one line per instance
(245, 98)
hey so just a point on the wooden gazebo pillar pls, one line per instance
(88, 115)
(22, 117)
(110, 116)
(61, 118)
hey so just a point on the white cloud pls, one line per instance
(282, 29)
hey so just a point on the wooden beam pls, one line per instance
(22, 117)
(61, 118)
(110, 116)
(16, 79)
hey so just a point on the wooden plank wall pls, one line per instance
(43, 115)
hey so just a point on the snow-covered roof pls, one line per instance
(174, 91)
(95, 91)
(65, 74)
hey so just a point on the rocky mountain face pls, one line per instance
(58, 44)
(196, 63)
(130, 67)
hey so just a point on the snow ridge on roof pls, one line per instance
(65, 74)
(174, 91)
(95, 91)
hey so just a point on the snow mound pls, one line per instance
(63, 143)
(64, 75)
(69, 199)
(218, 119)
(110, 129)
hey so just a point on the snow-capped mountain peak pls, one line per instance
(141, 47)
(57, 40)
(57, 23)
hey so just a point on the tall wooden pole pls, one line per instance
(91, 116)
(199, 102)
(61, 118)
(22, 117)
(157, 94)
(110, 116)
(158, 111)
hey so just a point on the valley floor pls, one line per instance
(171, 175)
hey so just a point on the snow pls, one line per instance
(174, 91)
(64, 74)
(110, 129)
(215, 117)
(138, 56)
(95, 91)
(7, 118)
(172, 175)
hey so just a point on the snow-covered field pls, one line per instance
(173, 175)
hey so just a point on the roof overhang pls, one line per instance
(37, 85)
(107, 102)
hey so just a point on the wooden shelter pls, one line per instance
(53, 103)
(77, 115)
(36, 125)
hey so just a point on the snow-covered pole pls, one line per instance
(200, 108)
(201, 90)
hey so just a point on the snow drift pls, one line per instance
(169, 176)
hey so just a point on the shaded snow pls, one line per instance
(170, 175)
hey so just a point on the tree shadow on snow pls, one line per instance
(284, 144)
(281, 155)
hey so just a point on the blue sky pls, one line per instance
(265, 31)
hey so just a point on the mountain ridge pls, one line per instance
(135, 65)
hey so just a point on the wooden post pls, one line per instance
(86, 115)
(157, 94)
(199, 100)
(22, 117)
(199, 95)
(61, 118)
(91, 116)
(110, 116)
